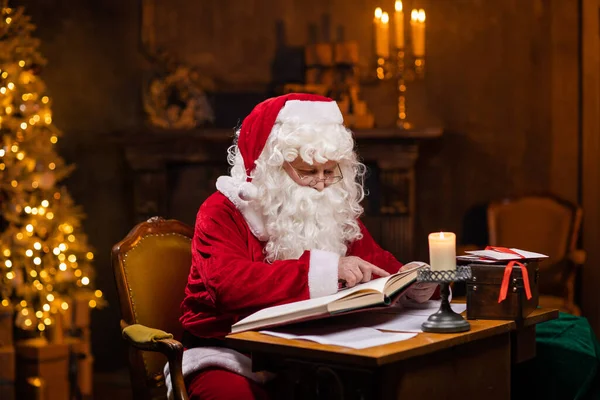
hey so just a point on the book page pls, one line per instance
(378, 284)
(403, 279)
(355, 338)
(306, 306)
(290, 308)
(311, 304)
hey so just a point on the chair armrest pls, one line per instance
(143, 337)
(149, 339)
(577, 256)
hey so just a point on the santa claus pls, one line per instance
(283, 227)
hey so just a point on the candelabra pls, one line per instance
(408, 70)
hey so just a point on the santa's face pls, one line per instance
(315, 175)
(306, 206)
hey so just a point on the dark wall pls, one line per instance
(501, 75)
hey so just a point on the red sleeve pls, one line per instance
(367, 249)
(239, 285)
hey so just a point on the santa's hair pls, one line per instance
(312, 143)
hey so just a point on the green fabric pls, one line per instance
(566, 365)
(142, 334)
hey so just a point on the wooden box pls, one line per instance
(483, 290)
(36, 358)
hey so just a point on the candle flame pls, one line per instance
(421, 15)
(378, 12)
(398, 6)
(441, 235)
(385, 18)
(414, 15)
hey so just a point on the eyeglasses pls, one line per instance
(314, 181)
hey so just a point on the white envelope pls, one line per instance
(497, 255)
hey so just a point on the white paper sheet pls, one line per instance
(431, 306)
(405, 320)
(497, 255)
(478, 259)
(355, 338)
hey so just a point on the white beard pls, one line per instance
(299, 218)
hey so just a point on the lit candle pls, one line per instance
(376, 23)
(417, 24)
(383, 50)
(442, 251)
(399, 23)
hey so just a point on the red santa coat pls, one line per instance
(229, 279)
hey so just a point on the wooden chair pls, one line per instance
(151, 266)
(547, 225)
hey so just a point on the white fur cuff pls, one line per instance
(323, 273)
(199, 358)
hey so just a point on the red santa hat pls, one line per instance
(294, 107)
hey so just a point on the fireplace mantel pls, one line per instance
(151, 148)
(391, 154)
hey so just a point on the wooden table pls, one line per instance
(474, 364)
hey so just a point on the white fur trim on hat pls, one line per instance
(318, 112)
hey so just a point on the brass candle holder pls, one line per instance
(384, 68)
(406, 73)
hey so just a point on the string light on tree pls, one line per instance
(45, 258)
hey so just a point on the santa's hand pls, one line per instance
(419, 292)
(353, 270)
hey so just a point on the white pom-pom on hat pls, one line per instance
(248, 191)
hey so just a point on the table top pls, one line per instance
(423, 343)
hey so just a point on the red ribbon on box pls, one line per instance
(508, 271)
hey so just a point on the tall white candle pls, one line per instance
(417, 25)
(376, 30)
(383, 49)
(442, 251)
(399, 24)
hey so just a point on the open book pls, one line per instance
(376, 293)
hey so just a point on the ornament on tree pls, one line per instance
(46, 180)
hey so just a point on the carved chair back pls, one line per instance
(151, 266)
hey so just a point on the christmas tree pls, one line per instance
(45, 259)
